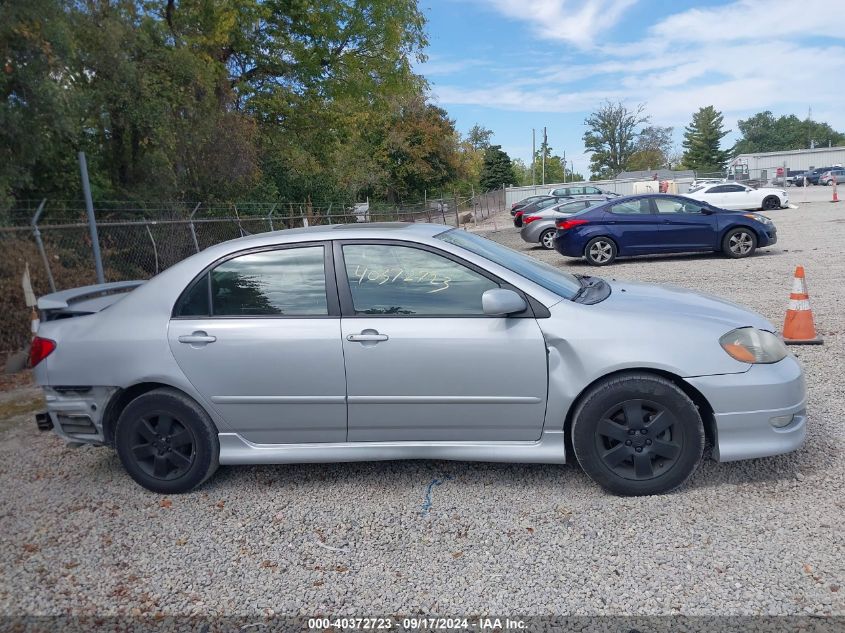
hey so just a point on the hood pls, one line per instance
(674, 302)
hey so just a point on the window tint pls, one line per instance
(733, 188)
(677, 205)
(388, 279)
(560, 192)
(289, 282)
(592, 190)
(717, 189)
(194, 301)
(573, 207)
(631, 206)
(576, 191)
(545, 203)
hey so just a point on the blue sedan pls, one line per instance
(660, 223)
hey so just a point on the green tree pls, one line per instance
(611, 137)
(765, 133)
(497, 169)
(479, 137)
(653, 149)
(702, 141)
(39, 107)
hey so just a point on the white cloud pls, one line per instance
(577, 22)
(742, 58)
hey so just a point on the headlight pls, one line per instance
(760, 218)
(750, 345)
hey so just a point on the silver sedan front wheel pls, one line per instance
(600, 251)
(547, 239)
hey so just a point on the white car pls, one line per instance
(740, 197)
(698, 183)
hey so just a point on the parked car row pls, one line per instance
(820, 176)
(601, 230)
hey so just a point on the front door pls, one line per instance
(684, 226)
(423, 362)
(259, 336)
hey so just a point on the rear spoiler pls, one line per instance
(84, 300)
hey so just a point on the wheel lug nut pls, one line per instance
(648, 442)
(627, 442)
(632, 432)
(639, 449)
(644, 431)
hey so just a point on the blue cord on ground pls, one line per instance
(426, 506)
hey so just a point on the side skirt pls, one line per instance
(549, 449)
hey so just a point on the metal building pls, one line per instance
(764, 165)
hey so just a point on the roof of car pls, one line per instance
(343, 231)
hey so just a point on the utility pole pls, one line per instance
(564, 165)
(543, 152)
(533, 157)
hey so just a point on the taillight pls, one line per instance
(519, 213)
(39, 349)
(530, 218)
(565, 225)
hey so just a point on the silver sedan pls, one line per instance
(409, 341)
(539, 228)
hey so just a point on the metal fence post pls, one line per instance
(155, 250)
(270, 216)
(457, 219)
(37, 235)
(193, 230)
(92, 223)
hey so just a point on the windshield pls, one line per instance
(542, 274)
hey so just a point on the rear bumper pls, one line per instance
(759, 413)
(76, 414)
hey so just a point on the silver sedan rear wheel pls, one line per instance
(547, 239)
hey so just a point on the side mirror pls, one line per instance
(502, 302)
(706, 210)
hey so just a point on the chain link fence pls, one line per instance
(140, 239)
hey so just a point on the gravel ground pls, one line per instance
(746, 538)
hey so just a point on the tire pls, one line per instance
(600, 251)
(739, 242)
(166, 442)
(637, 434)
(771, 202)
(547, 239)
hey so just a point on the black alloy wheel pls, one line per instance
(637, 433)
(162, 446)
(167, 442)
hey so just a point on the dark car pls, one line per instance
(538, 205)
(660, 223)
(516, 206)
(813, 175)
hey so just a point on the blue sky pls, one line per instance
(511, 65)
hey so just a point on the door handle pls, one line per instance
(197, 338)
(363, 338)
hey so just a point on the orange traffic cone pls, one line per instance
(835, 196)
(798, 327)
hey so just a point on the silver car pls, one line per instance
(409, 341)
(539, 228)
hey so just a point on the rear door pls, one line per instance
(423, 361)
(684, 226)
(635, 226)
(259, 336)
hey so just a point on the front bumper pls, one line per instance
(745, 406)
